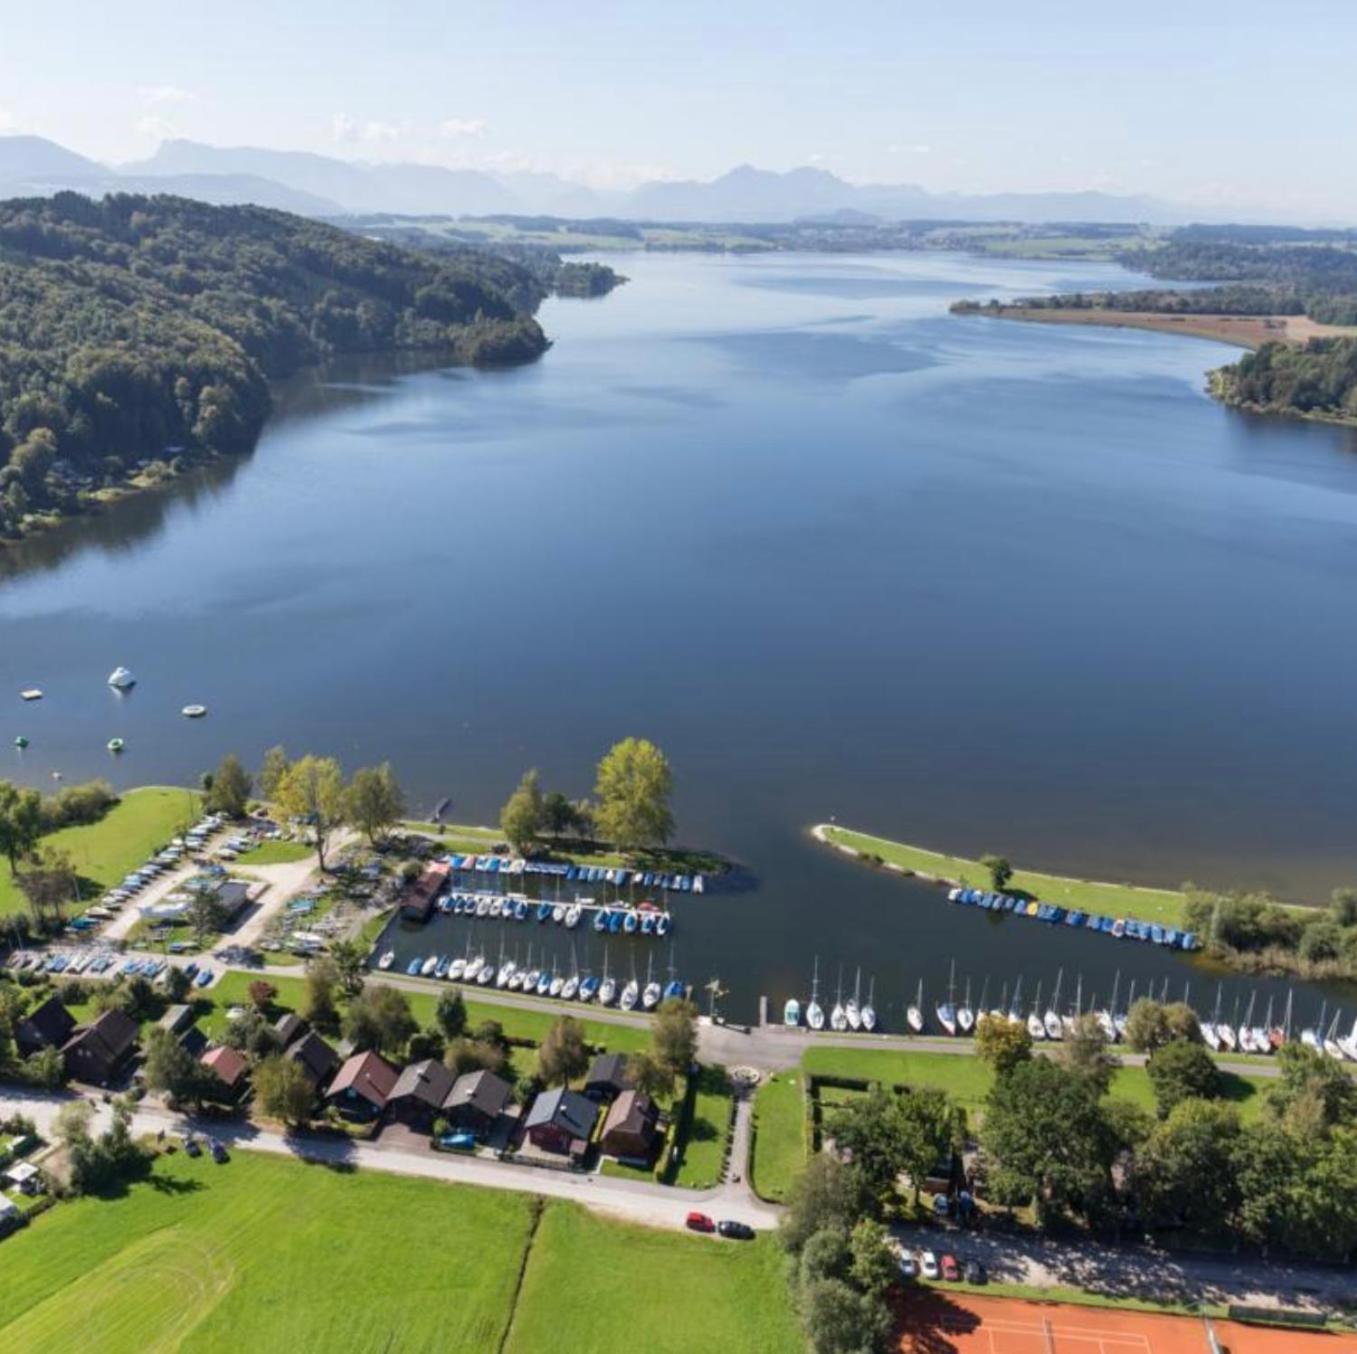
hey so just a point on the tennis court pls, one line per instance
(936, 1322)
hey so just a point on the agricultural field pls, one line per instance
(206, 1258)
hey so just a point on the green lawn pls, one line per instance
(103, 852)
(599, 1286)
(275, 853)
(249, 1256)
(779, 1134)
(1117, 900)
(704, 1147)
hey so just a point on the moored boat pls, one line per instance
(388, 958)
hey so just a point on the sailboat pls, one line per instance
(838, 1017)
(869, 1009)
(914, 1012)
(1348, 1044)
(1119, 1018)
(1015, 1006)
(1228, 1031)
(1035, 1029)
(1279, 1034)
(815, 1016)
(1259, 1033)
(851, 1011)
(571, 986)
(965, 1016)
(631, 993)
(1055, 1029)
(1331, 1045)
(1077, 1007)
(388, 958)
(1314, 1036)
(1107, 1017)
(1211, 1028)
(607, 989)
(1244, 1031)
(650, 994)
(557, 986)
(946, 1010)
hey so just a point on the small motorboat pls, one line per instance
(543, 911)
(630, 921)
(572, 916)
(601, 919)
(521, 910)
(663, 923)
(121, 679)
(428, 966)
(558, 913)
(791, 1012)
(413, 967)
(193, 711)
(441, 969)
(116, 745)
(31, 693)
(21, 742)
(456, 970)
(614, 923)
(388, 958)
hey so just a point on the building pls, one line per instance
(476, 1101)
(46, 1026)
(97, 1052)
(179, 1021)
(561, 1120)
(417, 900)
(230, 1068)
(289, 1028)
(607, 1077)
(419, 1093)
(632, 1127)
(25, 1177)
(233, 897)
(362, 1086)
(317, 1058)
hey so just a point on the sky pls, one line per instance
(1244, 104)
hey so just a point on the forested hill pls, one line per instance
(144, 328)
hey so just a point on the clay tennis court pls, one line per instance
(936, 1322)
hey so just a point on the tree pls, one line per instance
(1185, 1171)
(229, 791)
(1343, 907)
(318, 1006)
(1085, 1050)
(430, 1044)
(178, 984)
(521, 817)
(826, 1255)
(46, 1068)
(20, 823)
(272, 772)
(673, 1036)
(827, 1194)
(282, 1090)
(312, 792)
(1147, 1026)
(250, 1032)
(840, 1320)
(558, 816)
(649, 1077)
(262, 994)
(1312, 1092)
(376, 802)
(1002, 1043)
(451, 1013)
(1181, 1071)
(48, 884)
(874, 1265)
(74, 1122)
(473, 1055)
(204, 913)
(380, 1018)
(563, 1056)
(1000, 871)
(633, 788)
(350, 960)
(887, 1134)
(170, 1068)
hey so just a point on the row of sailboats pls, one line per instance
(852, 1014)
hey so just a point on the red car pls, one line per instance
(951, 1271)
(700, 1222)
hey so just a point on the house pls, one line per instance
(632, 1127)
(476, 1101)
(179, 1021)
(317, 1058)
(96, 1052)
(230, 1068)
(289, 1028)
(607, 1077)
(46, 1026)
(419, 1093)
(417, 900)
(25, 1177)
(362, 1085)
(233, 896)
(561, 1120)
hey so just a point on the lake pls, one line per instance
(970, 583)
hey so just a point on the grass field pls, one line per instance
(276, 853)
(103, 852)
(270, 1254)
(779, 1134)
(1117, 900)
(699, 1164)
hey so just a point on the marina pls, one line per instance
(1119, 928)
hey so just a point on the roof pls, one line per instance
(483, 1091)
(51, 1022)
(290, 1027)
(428, 1082)
(229, 1065)
(633, 1112)
(368, 1075)
(21, 1171)
(565, 1109)
(176, 1018)
(608, 1069)
(314, 1054)
(109, 1036)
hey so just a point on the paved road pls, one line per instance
(636, 1200)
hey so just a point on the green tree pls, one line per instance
(1181, 1071)
(558, 816)
(170, 1068)
(1147, 1026)
(282, 1090)
(1313, 1092)
(1000, 871)
(20, 823)
(229, 791)
(650, 1077)
(350, 960)
(46, 1068)
(1085, 1050)
(203, 914)
(474, 1055)
(312, 792)
(826, 1195)
(673, 1036)
(562, 1056)
(376, 802)
(840, 1320)
(1343, 907)
(521, 817)
(1002, 1043)
(451, 1013)
(826, 1255)
(177, 983)
(633, 788)
(48, 884)
(1185, 1171)
(380, 1018)
(319, 1005)
(874, 1265)
(273, 772)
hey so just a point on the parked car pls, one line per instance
(456, 1142)
(219, 1153)
(975, 1272)
(928, 1262)
(951, 1271)
(700, 1222)
(909, 1266)
(737, 1231)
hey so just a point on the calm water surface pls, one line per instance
(979, 585)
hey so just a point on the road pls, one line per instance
(635, 1200)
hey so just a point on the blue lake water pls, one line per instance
(971, 583)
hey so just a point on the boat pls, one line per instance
(573, 915)
(388, 958)
(521, 909)
(1054, 1027)
(543, 911)
(556, 984)
(31, 693)
(946, 1010)
(614, 923)
(1313, 1036)
(601, 920)
(791, 1012)
(1331, 1045)
(429, 965)
(121, 679)
(630, 921)
(506, 971)
(441, 969)
(607, 989)
(650, 993)
(558, 913)
(663, 923)
(193, 711)
(631, 994)
(1036, 1029)
(589, 988)
(852, 1011)
(869, 1009)
(965, 1015)
(1014, 1008)
(570, 988)
(838, 1017)
(413, 967)
(115, 745)
(815, 1016)
(457, 969)
(914, 1012)
(20, 742)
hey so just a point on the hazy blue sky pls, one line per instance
(1246, 103)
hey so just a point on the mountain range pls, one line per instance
(322, 185)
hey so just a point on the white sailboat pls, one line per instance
(607, 989)
(1331, 1044)
(388, 958)
(1107, 1017)
(965, 1016)
(815, 1016)
(1014, 1015)
(914, 1012)
(1119, 1018)
(869, 1009)
(650, 994)
(1211, 1028)
(791, 1013)
(1055, 1028)
(946, 1010)
(631, 993)
(838, 1017)
(851, 1011)
(1035, 1029)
